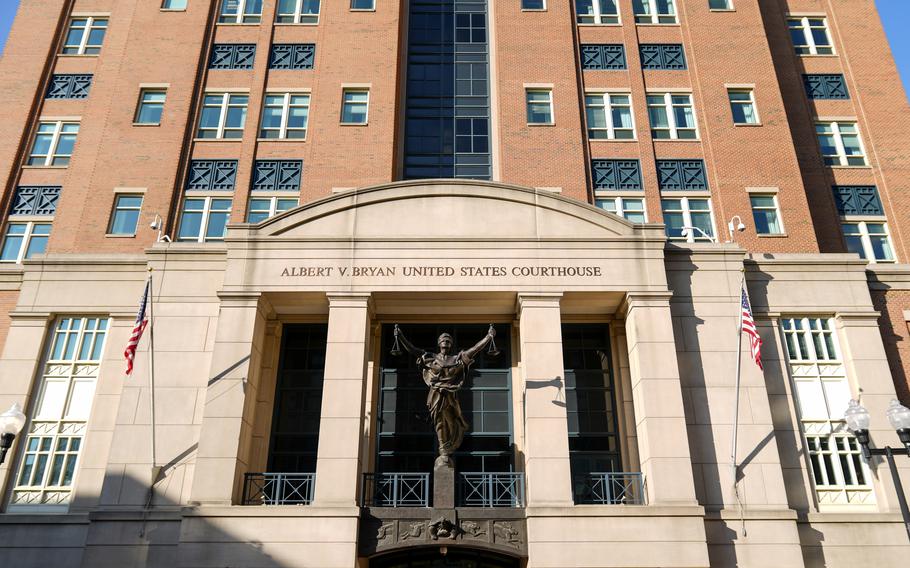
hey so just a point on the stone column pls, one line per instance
(660, 419)
(549, 481)
(343, 393)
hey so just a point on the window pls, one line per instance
(602, 12)
(53, 443)
(533, 4)
(240, 12)
(223, 115)
(151, 105)
(69, 87)
(603, 56)
(24, 240)
(292, 56)
(742, 104)
(204, 219)
(654, 11)
(720, 4)
(212, 175)
(826, 86)
(609, 116)
(810, 35)
(766, 214)
(276, 175)
(674, 175)
(631, 208)
(840, 144)
(125, 216)
(664, 56)
(363, 4)
(672, 116)
(298, 12)
(53, 145)
(262, 208)
(540, 106)
(616, 174)
(232, 56)
(285, 115)
(685, 213)
(868, 239)
(85, 36)
(355, 103)
(822, 392)
(173, 5)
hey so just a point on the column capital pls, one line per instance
(350, 299)
(537, 300)
(858, 318)
(645, 299)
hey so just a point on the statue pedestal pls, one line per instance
(444, 484)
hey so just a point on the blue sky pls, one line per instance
(895, 15)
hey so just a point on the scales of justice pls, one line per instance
(444, 373)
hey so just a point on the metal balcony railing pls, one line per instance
(614, 488)
(278, 488)
(395, 490)
(491, 489)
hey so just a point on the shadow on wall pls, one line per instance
(894, 341)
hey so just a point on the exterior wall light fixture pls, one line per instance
(11, 423)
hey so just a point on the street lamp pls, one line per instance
(11, 423)
(687, 231)
(858, 420)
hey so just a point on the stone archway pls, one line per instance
(432, 557)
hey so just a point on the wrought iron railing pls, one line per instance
(491, 489)
(278, 488)
(614, 488)
(395, 490)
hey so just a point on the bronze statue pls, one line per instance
(444, 374)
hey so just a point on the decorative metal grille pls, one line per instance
(396, 490)
(35, 200)
(232, 56)
(826, 87)
(216, 175)
(681, 175)
(491, 489)
(609, 489)
(603, 56)
(616, 174)
(69, 87)
(277, 175)
(667, 56)
(293, 56)
(278, 488)
(857, 200)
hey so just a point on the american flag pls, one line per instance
(138, 328)
(749, 329)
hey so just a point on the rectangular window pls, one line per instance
(261, 208)
(204, 219)
(533, 4)
(599, 12)
(672, 116)
(223, 115)
(24, 240)
(766, 214)
(609, 116)
(285, 115)
(240, 12)
(48, 466)
(173, 5)
(539, 105)
(354, 107)
(826, 86)
(298, 12)
(742, 104)
(720, 4)
(85, 36)
(654, 11)
(688, 219)
(125, 216)
(151, 105)
(53, 144)
(363, 4)
(840, 143)
(810, 35)
(869, 239)
(630, 208)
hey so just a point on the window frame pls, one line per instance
(776, 209)
(653, 16)
(169, 9)
(686, 211)
(842, 156)
(52, 154)
(598, 15)
(549, 102)
(224, 107)
(751, 92)
(115, 209)
(286, 107)
(805, 27)
(142, 102)
(298, 14)
(668, 105)
(728, 6)
(30, 223)
(606, 97)
(241, 17)
(206, 213)
(619, 204)
(372, 7)
(273, 199)
(366, 115)
(543, 7)
(865, 237)
(86, 33)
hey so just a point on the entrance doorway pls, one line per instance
(431, 558)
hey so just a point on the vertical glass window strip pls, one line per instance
(285, 115)
(355, 105)
(539, 106)
(240, 12)
(599, 12)
(125, 216)
(151, 106)
(609, 116)
(720, 4)
(64, 399)
(840, 144)
(766, 214)
(672, 116)
(298, 12)
(810, 35)
(173, 5)
(53, 144)
(363, 4)
(870, 240)
(630, 208)
(683, 214)
(204, 219)
(261, 208)
(654, 11)
(24, 240)
(85, 36)
(223, 115)
(742, 104)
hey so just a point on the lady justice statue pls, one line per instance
(444, 374)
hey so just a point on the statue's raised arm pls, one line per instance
(473, 351)
(408, 346)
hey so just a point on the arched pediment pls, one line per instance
(447, 210)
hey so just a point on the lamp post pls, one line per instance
(858, 420)
(11, 423)
(694, 232)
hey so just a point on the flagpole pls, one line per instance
(739, 364)
(151, 327)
